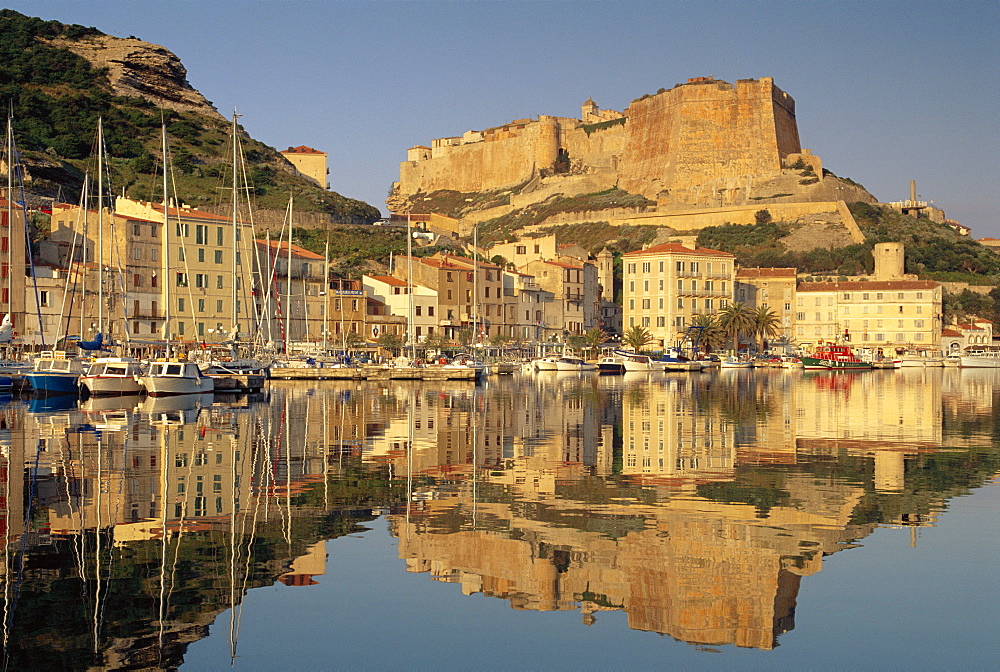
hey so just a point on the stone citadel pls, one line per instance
(703, 144)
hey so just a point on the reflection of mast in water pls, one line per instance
(7, 611)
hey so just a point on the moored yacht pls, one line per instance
(113, 375)
(175, 376)
(573, 363)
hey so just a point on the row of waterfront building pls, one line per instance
(188, 275)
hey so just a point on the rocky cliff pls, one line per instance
(143, 69)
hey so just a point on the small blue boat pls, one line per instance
(55, 373)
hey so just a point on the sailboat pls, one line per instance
(167, 375)
(226, 359)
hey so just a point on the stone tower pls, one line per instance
(606, 274)
(889, 261)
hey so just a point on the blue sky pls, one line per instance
(885, 91)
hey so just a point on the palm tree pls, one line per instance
(766, 324)
(736, 320)
(592, 339)
(637, 338)
(711, 336)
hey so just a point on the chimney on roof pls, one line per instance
(690, 242)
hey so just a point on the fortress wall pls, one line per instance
(601, 150)
(701, 132)
(503, 158)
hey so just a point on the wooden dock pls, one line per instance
(373, 373)
(238, 382)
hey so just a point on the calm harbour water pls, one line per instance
(733, 519)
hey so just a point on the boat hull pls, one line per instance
(831, 364)
(161, 386)
(53, 383)
(108, 385)
(979, 362)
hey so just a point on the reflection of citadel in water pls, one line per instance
(696, 504)
(723, 493)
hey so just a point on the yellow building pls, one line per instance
(666, 286)
(889, 314)
(771, 287)
(309, 163)
(192, 282)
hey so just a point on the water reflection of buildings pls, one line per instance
(121, 499)
(693, 503)
(708, 545)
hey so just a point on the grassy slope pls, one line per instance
(57, 98)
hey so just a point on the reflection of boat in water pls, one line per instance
(125, 402)
(177, 409)
(59, 402)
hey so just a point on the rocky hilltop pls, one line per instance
(61, 78)
(142, 69)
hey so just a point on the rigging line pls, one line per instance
(69, 264)
(27, 242)
(164, 484)
(258, 269)
(183, 235)
(28, 511)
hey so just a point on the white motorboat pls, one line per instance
(113, 375)
(636, 362)
(550, 363)
(175, 376)
(611, 364)
(981, 359)
(573, 363)
(736, 363)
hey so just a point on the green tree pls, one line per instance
(637, 338)
(711, 337)
(766, 325)
(736, 320)
(391, 342)
(592, 339)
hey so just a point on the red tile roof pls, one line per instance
(677, 248)
(950, 332)
(302, 149)
(389, 280)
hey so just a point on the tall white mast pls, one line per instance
(165, 252)
(10, 218)
(83, 254)
(288, 275)
(326, 293)
(235, 246)
(100, 225)
(409, 288)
